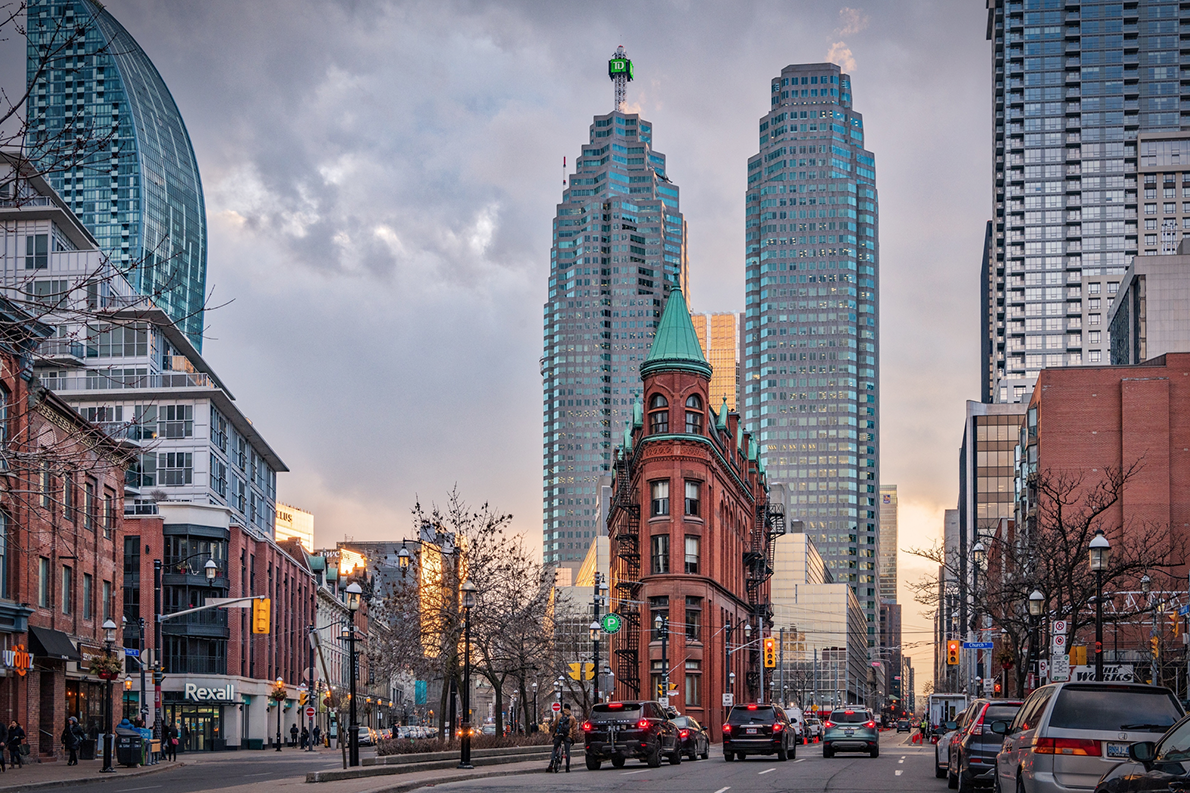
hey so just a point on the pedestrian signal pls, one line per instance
(260, 615)
(952, 652)
(770, 652)
(1155, 643)
(997, 688)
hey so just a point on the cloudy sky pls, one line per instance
(380, 180)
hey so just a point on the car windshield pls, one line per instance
(1115, 708)
(1175, 746)
(759, 715)
(849, 716)
(614, 711)
(1000, 713)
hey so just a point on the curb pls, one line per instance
(87, 780)
(367, 772)
(405, 787)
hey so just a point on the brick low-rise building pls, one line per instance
(689, 534)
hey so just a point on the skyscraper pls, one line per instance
(888, 543)
(1075, 83)
(810, 379)
(136, 186)
(619, 246)
(719, 335)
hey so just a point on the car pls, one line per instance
(946, 732)
(850, 729)
(1160, 766)
(973, 749)
(1069, 735)
(367, 737)
(696, 743)
(903, 725)
(616, 731)
(488, 729)
(758, 729)
(813, 729)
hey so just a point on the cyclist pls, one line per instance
(562, 730)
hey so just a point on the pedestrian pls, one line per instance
(71, 738)
(16, 736)
(317, 735)
(561, 729)
(293, 735)
(305, 737)
(171, 742)
(3, 743)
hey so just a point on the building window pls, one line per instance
(43, 582)
(107, 600)
(658, 607)
(88, 596)
(175, 468)
(176, 421)
(90, 517)
(68, 496)
(3, 554)
(219, 430)
(694, 415)
(67, 589)
(47, 495)
(37, 251)
(218, 476)
(4, 399)
(659, 553)
(692, 544)
(694, 619)
(660, 500)
(692, 498)
(693, 684)
(658, 414)
(109, 513)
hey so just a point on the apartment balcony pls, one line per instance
(62, 352)
(101, 381)
(207, 624)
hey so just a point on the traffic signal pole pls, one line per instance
(158, 726)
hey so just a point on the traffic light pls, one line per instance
(1078, 655)
(997, 687)
(660, 690)
(1175, 620)
(770, 652)
(260, 615)
(302, 698)
(1155, 644)
(952, 652)
(581, 671)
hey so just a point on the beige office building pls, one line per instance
(719, 335)
(888, 543)
(294, 524)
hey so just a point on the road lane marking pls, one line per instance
(766, 771)
(630, 773)
(900, 772)
(901, 760)
(723, 789)
(146, 787)
(799, 760)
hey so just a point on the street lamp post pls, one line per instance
(748, 640)
(353, 597)
(1099, 551)
(1146, 586)
(728, 676)
(978, 553)
(109, 640)
(662, 625)
(280, 687)
(468, 604)
(536, 712)
(1036, 606)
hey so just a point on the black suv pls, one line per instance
(618, 730)
(758, 729)
(972, 752)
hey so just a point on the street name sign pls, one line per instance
(978, 645)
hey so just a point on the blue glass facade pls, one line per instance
(136, 185)
(619, 246)
(810, 364)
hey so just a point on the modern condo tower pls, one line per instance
(810, 365)
(619, 247)
(135, 185)
(1077, 87)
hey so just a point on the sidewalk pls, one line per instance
(32, 776)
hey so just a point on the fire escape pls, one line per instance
(624, 526)
(758, 568)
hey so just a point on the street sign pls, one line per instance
(1059, 644)
(132, 651)
(1184, 611)
(1060, 627)
(611, 623)
(1043, 667)
(978, 645)
(556, 707)
(1060, 668)
(728, 700)
(310, 712)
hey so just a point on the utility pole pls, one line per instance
(158, 667)
(144, 701)
(781, 664)
(312, 698)
(595, 639)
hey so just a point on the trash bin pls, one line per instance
(128, 748)
(87, 749)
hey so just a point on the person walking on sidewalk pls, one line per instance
(3, 743)
(16, 736)
(171, 742)
(71, 737)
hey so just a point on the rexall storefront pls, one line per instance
(215, 713)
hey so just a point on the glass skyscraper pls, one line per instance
(1077, 85)
(810, 364)
(619, 247)
(136, 188)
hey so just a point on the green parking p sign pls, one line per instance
(611, 623)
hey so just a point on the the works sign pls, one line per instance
(197, 693)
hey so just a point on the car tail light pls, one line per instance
(828, 724)
(643, 724)
(587, 726)
(684, 733)
(871, 725)
(1083, 747)
(727, 729)
(849, 712)
(752, 707)
(778, 726)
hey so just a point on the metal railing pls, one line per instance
(100, 381)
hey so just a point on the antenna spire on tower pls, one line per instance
(619, 69)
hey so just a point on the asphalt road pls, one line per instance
(900, 767)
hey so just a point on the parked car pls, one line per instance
(696, 742)
(488, 729)
(903, 725)
(851, 729)
(946, 732)
(616, 731)
(813, 729)
(973, 749)
(1160, 766)
(1069, 735)
(367, 737)
(758, 729)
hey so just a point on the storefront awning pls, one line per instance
(52, 644)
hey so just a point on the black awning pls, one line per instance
(52, 644)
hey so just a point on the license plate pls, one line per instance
(1118, 750)
(849, 732)
(750, 732)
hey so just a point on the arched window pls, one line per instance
(694, 415)
(658, 414)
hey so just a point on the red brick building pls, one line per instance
(689, 533)
(61, 512)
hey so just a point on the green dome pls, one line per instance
(676, 344)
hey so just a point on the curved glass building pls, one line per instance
(135, 185)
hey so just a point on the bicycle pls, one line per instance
(557, 757)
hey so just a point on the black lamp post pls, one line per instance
(353, 598)
(1099, 551)
(1036, 606)
(747, 641)
(662, 625)
(594, 630)
(468, 604)
(109, 640)
(978, 554)
(536, 712)
(279, 689)
(403, 559)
